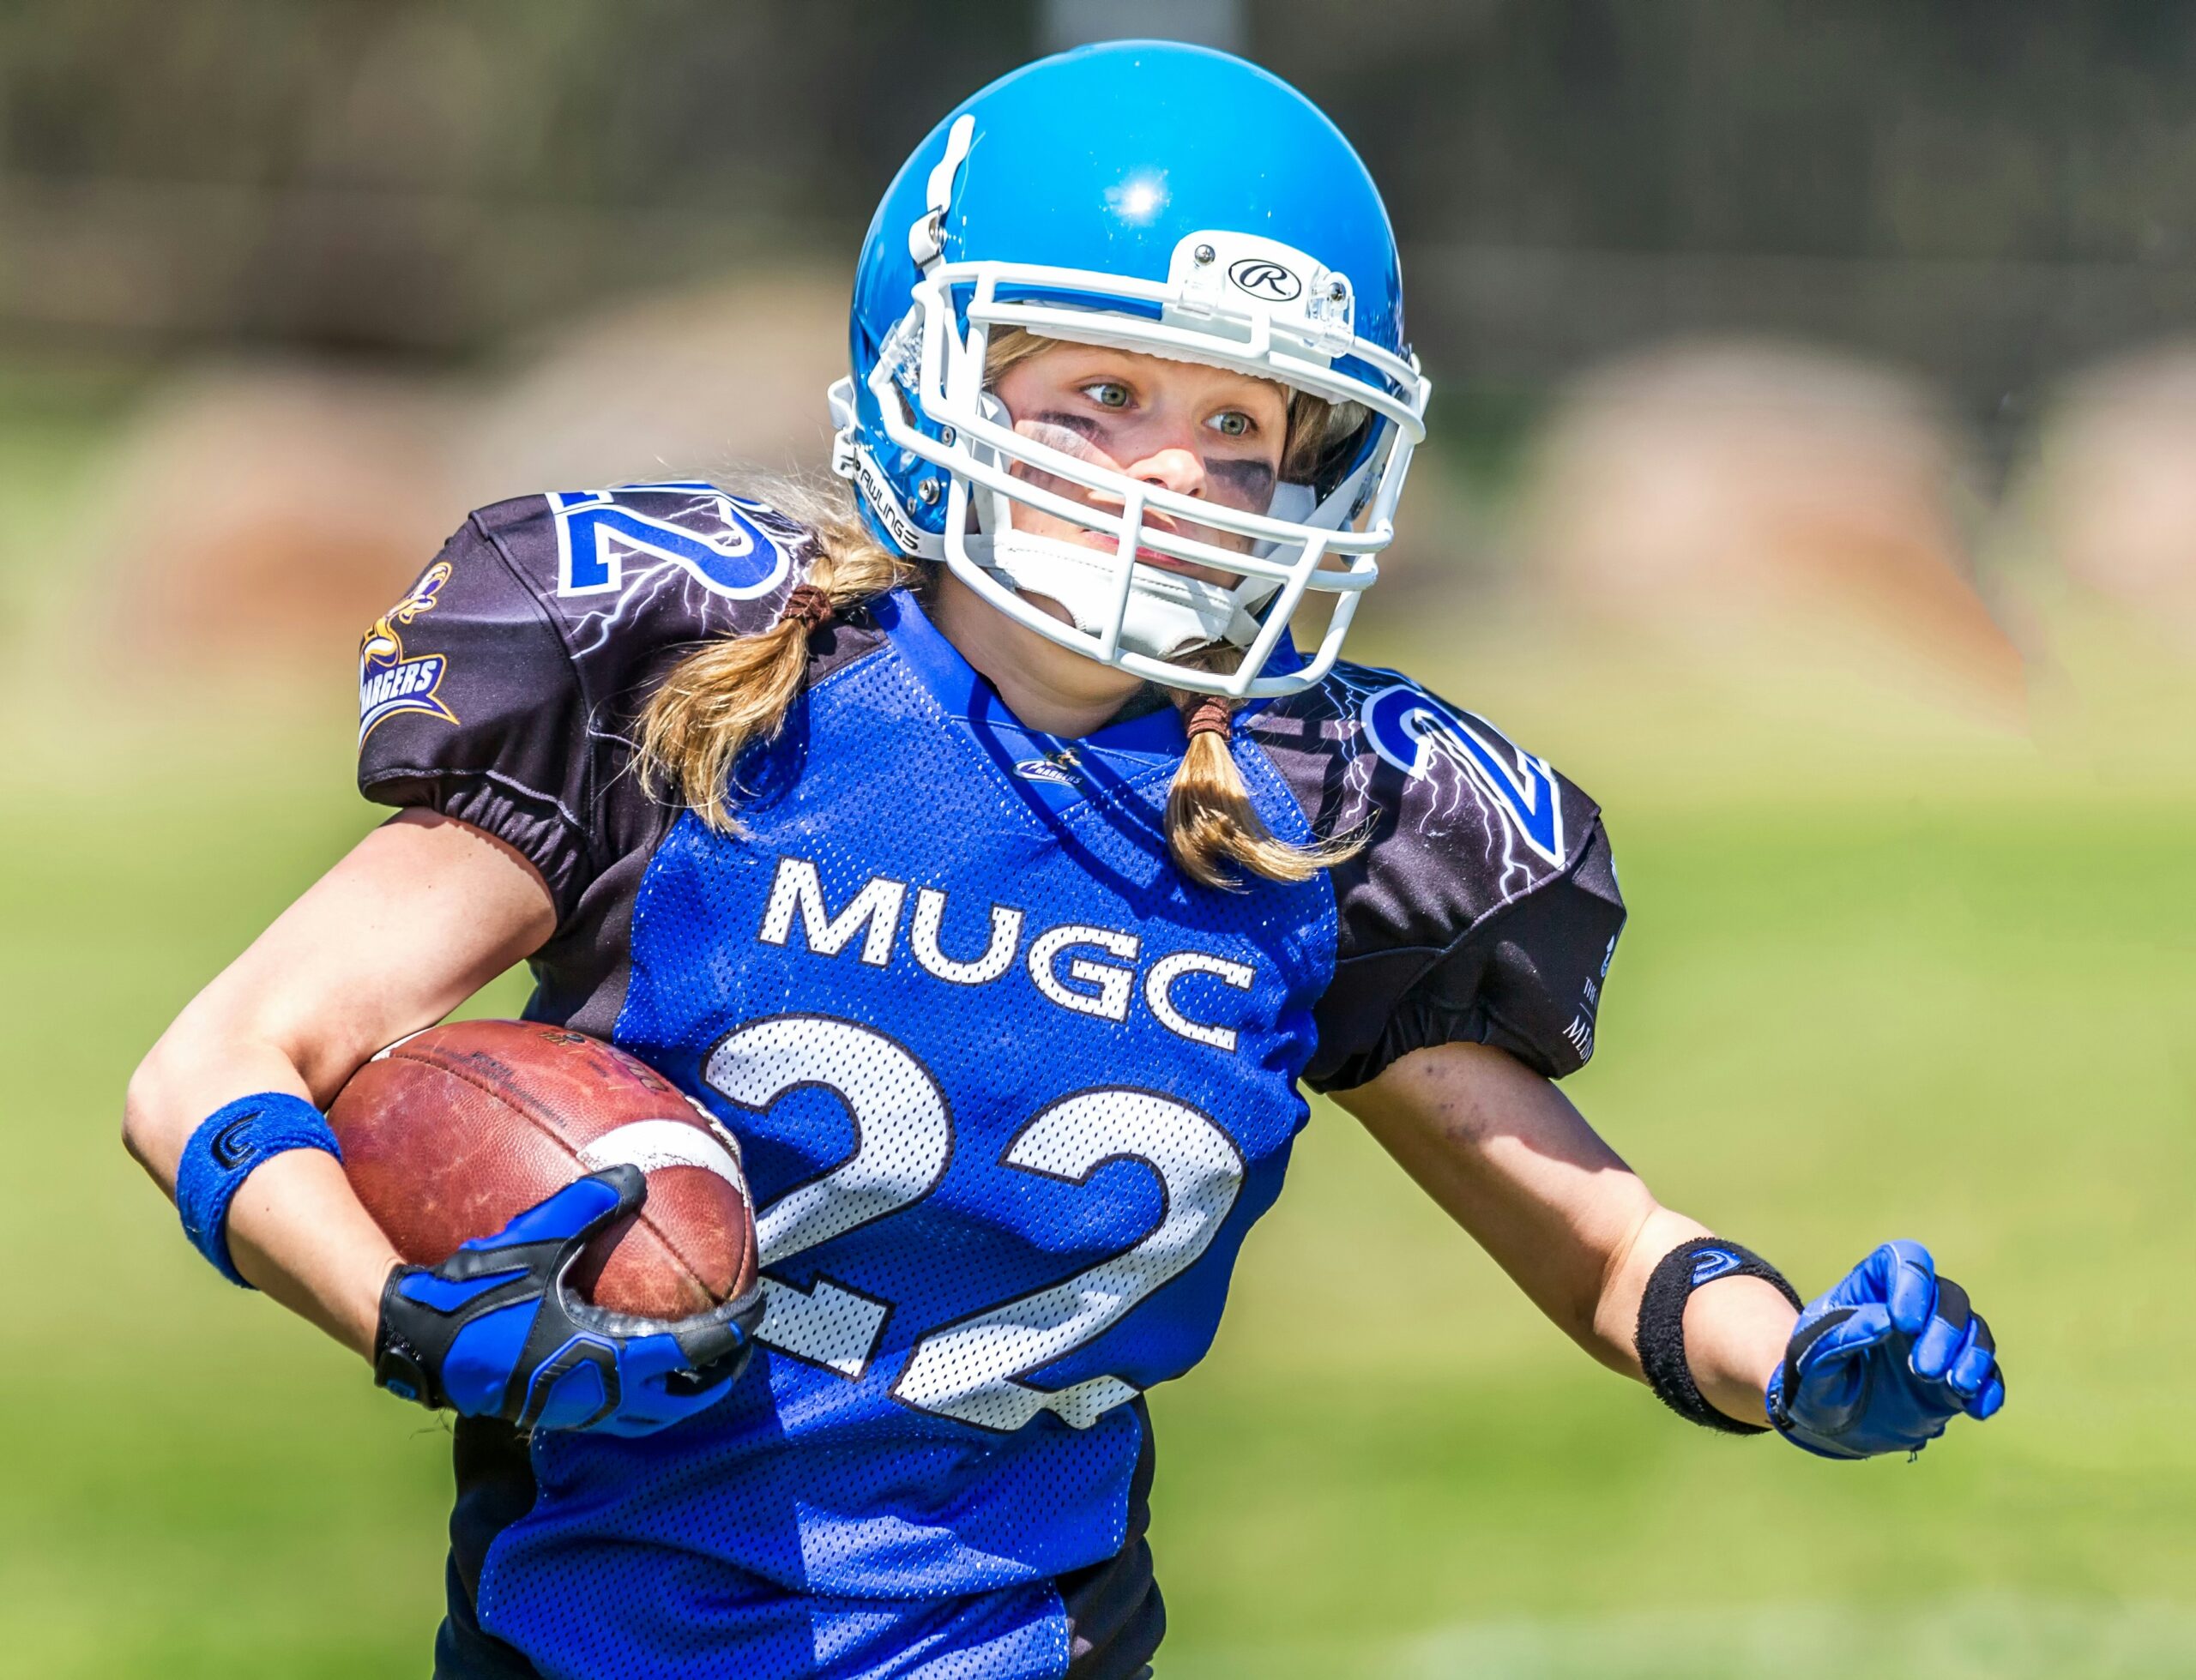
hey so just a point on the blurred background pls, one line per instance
(1814, 478)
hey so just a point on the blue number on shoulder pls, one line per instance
(600, 532)
(1409, 728)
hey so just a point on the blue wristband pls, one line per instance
(229, 1144)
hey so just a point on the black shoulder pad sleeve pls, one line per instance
(1483, 904)
(1527, 978)
(468, 705)
(500, 690)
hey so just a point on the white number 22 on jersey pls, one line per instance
(972, 1368)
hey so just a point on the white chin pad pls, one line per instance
(1167, 614)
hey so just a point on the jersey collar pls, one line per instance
(964, 692)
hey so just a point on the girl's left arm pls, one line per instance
(1505, 1154)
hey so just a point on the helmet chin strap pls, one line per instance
(1168, 614)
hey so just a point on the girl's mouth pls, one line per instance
(1092, 537)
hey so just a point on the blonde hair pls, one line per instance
(1213, 829)
(734, 692)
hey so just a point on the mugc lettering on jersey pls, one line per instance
(980, 1366)
(1082, 968)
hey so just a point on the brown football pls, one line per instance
(450, 1133)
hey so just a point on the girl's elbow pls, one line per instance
(151, 1111)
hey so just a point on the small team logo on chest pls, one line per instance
(1059, 767)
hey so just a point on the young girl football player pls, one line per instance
(984, 854)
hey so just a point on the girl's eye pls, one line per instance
(1107, 393)
(1234, 423)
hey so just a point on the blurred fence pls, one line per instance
(1988, 195)
(1758, 328)
(1733, 306)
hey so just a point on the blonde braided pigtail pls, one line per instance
(1211, 823)
(734, 691)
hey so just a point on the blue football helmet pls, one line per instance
(1153, 197)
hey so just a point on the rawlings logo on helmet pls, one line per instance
(1262, 277)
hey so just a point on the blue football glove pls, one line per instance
(1883, 1361)
(496, 1331)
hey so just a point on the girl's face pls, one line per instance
(1199, 431)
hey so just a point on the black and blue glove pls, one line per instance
(1883, 1361)
(495, 1330)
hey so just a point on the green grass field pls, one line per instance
(1887, 979)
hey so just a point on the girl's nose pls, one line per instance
(1175, 468)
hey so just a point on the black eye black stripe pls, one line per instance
(1251, 479)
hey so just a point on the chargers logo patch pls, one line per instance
(388, 682)
(1411, 730)
(689, 523)
(1054, 766)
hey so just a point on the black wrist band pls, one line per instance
(1661, 1322)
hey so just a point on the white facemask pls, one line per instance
(1167, 614)
(1136, 617)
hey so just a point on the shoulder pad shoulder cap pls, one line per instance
(1482, 903)
(1397, 759)
(500, 688)
(727, 561)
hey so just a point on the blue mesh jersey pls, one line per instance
(1011, 1090)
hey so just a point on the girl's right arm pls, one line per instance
(423, 912)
